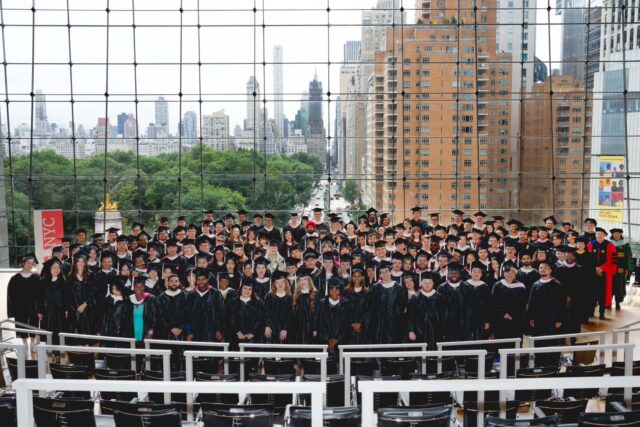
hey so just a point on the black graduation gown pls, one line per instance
(527, 278)
(547, 305)
(56, 306)
(22, 295)
(278, 316)
(456, 319)
(573, 280)
(247, 318)
(510, 300)
(113, 317)
(588, 264)
(303, 320)
(389, 305)
(205, 314)
(82, 292)
(359, 312)
(481, 311)
(332, 321)
(425, 318)
(261, 289)
(150, 316)
(171, 314)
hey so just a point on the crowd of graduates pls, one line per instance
(319, 280)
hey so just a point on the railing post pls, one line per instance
(339, 356)
(480, 414)
(241, 369)
(42, 366)
(504, 357)
(423, 359)
(316, 408)
(21, 355)
(166, 372)
(614, 352)
(628, 371)
(347, 380)
(24, 405)
(367, 408)
(188, 361)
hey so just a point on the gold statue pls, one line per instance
(107, 205)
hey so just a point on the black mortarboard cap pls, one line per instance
(416, 209)
(616, 230)
(81, 230)
(550, 218)
(468, 221)
(261, 260)
(292, 261)
(229, 216)
(384, 264)
(480, 214)
(457, 212)
(602, 230)
(269, 215)
(31, 256)
(498, 218)
(171, 242)
(372, 210)
(112, 230)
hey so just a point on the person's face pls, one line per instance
(457, 219)
(483, 254)
(218, 228)
(81, 237)
(443, 261)
(153, 275)
(434, 246)
(202, 263)
(28, 265)
(138, 290)
(385, 274)
(163, 235)
(560, 256)
(408, 283)
(268, 222)
(143, 241)
(153, 253)
(570, 258)
(202, 282)
(261, 270)
(98, 241)
(457, 257)
(427, 285)
(454, 276)
(191, 233)
(172, 250)
(493, 242)
(121, 246)
(229, 222)
(522, 235)
(543, 235)
(334, 292)
(526, 260)
(422, 262)
(174, 283)
(509, 275)
(107, 262)
(205, 228)
(223, 284)
(304, 285)
(135, 230)
(510, 251)
(462, 241)
(280, 285)
(549, 224)
(381, 252)
(115, 291)
(600, 236)
(544, 270)
(617, 236)
(55, 269)
(272, 250)
(581, 245)
(476, 274)
(180, 235)
(291, 270)
(124, 271)
(139, 263)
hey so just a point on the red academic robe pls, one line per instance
(605, 256)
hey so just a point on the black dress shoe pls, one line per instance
(601, 316)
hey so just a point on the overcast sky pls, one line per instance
(230, 47)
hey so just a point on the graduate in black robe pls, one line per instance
(172, 311)
(261, 279)
(458, 298)
(277, 307)
(510, 304)
(205, 311)
(305, 301)
(527, 274)
(426, 313)
(388, 301)
(547, 309)
(113, 311)
(586, 260)
(84, 300)
(246, 317)
(572, 277)
(332, 319)
(23, 292)
(131, 326)
(481, 306)
(56, 307)
(359, 310)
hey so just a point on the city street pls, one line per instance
(334, 202)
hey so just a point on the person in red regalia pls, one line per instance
(605, 256)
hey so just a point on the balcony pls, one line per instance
(483, 112)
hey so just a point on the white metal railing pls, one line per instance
(368, 388)
(374, 347)
(166, 358)
(242, 355)
(64, 336)
(531, 351)
(21, 356)
(283, 347)
(614, 337)
(206, 344)
(602, 336)
(480, 354)
(515, 342)
(24, 388)
(26, 329)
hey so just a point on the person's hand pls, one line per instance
(412, 336)
(240, 335)
(176, 331)
(40, 317)
(267, 332)
(558, 325)
(487, 326)
(149, 334)
(315, 333)
(190, 337)
(283, 335)
(532, 323)
(249, 336)
(357, 327)
(599, 271)
(508, 316)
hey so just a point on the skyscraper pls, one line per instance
(41, 124)
(122, 117)
(253, 104)
(351, 51)
(189, 126)
(162, 115)
(130, 127)
(215, 130)
(316, 139)
(278, 90)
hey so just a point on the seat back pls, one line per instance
(489, 395)
(230, 399)
(432, 398)
(312, 366)
(147, 375)
(471, 362)
(238, 415)
(63, 412)
(631, 418)
(490, 408)
(567, 411)
(335, 389)
(279, 366)
(408, 416)
(619, 397)
(117, 361)
(116, 375)
(491, 421)
(448, 364)
(346, 416)
(30, 368)
(8, 411)
(531, 395)
(363, 367)
(279, 401)
(149, 418)
(585, 357)
(71, 372)
(401, 367)
(380, 400)
(84, 359)
(584, 371)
